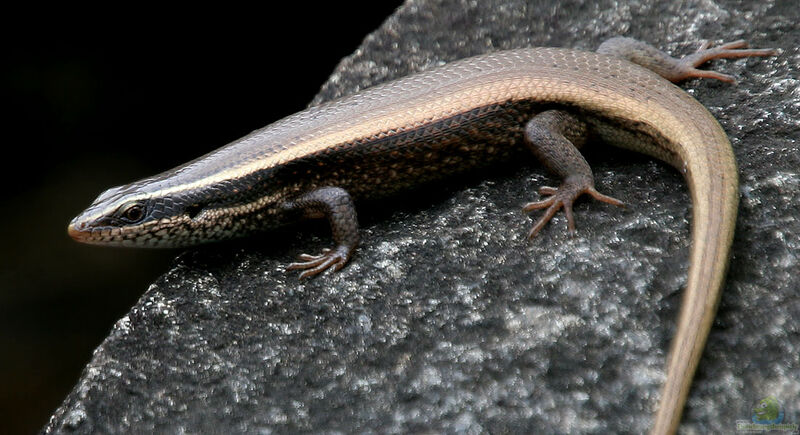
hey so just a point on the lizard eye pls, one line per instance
(132, 212)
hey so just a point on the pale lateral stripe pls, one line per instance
(428, 109)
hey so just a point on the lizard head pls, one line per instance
(134, 216)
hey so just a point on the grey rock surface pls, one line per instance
(449, 319)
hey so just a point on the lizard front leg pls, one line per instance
(337, 206)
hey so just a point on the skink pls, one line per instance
(467, 114)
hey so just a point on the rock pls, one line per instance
(449, 319)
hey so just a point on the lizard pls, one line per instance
(447, 120)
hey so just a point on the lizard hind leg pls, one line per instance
(554, 137)
(674, 69)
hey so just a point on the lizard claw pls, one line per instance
(687, 66)
(563, 197)
(314, 264)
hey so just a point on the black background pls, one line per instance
(96, 98)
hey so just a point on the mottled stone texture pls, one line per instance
(448, 318)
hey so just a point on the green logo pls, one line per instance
(767, 415)
(768, 411)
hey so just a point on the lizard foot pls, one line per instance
(686, 66)
(314, 264)
(564, 196)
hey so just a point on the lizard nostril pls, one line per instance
(76, 230)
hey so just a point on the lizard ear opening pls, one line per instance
(193, 210)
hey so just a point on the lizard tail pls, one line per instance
(713, 222)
